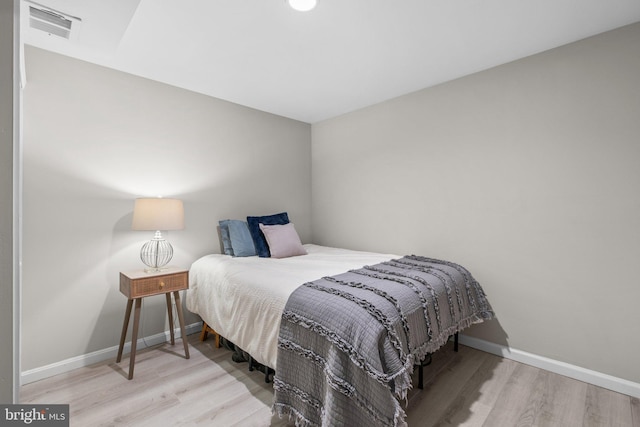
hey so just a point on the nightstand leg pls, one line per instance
(170, 311)
(125, 326)
(134, 336)
(176, 296)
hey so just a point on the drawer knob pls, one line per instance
(161, 284)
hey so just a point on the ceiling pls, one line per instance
(339, 57)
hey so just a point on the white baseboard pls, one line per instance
(67, 365)
(572, 371)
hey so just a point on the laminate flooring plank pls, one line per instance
(207, 393)
(262, 415)
(215, 406)
(111, 395)
(541, 401)
(473, 403)
(429, 407)
(607, 409)
(513, 404)
(204, 373)
(562, 401)
(235, 411)
(635, 412)
(470, 388)
(125, 405)
(133, 410)
(71, 385)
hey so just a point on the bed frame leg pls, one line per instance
(267, 372)
(427, 361)
(206, 329)
(421, 365)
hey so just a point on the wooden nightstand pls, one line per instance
(136, 285)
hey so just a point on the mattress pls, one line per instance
(243, 298)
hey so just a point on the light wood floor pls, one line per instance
(468, 388)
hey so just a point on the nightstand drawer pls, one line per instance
(138, 287)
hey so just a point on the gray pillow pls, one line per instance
(226, 239)
(241, 240)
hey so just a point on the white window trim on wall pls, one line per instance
(18, 76)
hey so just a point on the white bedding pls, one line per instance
(243, 298)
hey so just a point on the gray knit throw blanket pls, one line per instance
(348, 343)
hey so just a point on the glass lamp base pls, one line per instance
(156, 253)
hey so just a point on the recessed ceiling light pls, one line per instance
(302, 5)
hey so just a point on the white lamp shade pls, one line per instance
(302, 5)
(158, 214)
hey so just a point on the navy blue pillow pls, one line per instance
(262, 248)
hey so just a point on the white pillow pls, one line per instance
(283, 240)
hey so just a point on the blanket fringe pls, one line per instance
(282, 411)
(399, 417)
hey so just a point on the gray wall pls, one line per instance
(6, 195)
(527, 174)
(94, 140)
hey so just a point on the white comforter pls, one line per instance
(243, 298)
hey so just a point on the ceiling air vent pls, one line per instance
(53, 22)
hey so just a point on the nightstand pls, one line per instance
(136, 285)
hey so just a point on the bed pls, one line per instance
(274, 308)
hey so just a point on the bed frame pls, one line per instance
(268, 372)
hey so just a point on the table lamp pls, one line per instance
(156, 214)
